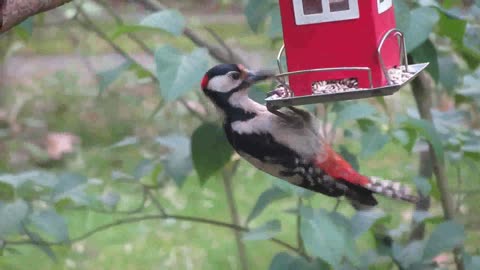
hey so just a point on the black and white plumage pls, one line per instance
(287, 144)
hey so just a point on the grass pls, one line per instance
(165, 244)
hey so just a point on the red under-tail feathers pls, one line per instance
(337, 167)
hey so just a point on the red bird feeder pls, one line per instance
(340, 50)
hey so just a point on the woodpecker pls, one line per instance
(288, 143)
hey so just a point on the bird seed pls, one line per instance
(335, 86)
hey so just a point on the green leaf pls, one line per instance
(49, 222)
(169, 20)
(128, 28)
(144, 167)
(406, 137)
(7, 191)
(264, 232)
(426, 217)
(110, 199)
(38, 243)
(281, 261)
(12, 216)
(409, 255)
(256, 12)
(354, 111)
(428, 53)
(70, 186)
(349, 157)
(266, 198)
(422, 21)
(178, 73)
(328, 236)
(427, 130)
(362, 221)
(153, 177)
(210, 150)
(449, 73)
(423, 185)
(285, 261)
(402, 15)
(452, 27)
(106, 78)
(445, 237)
(127, 141)
(471, 46)
(275, 28)
(471, 262)
(178, 162)
(25, 29)
(372, 141)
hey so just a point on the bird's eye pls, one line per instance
(235, 75)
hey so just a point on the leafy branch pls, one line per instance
(130, 220)
(227, 55)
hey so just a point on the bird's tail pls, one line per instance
(391, 189)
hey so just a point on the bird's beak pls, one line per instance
(258, 76)
(252, 77)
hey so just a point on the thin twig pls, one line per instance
(221, 42)
(301, 246)
(228, 174)
(119, 21)
(149, 217)
(132, 211)
(195, 113)
(157, 203)
(214, 51)
(459, 186)
(89, 25)
(337, 204)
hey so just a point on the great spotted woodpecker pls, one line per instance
(288, 144)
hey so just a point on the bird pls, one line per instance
(288, 143)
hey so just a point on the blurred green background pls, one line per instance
(103, 129)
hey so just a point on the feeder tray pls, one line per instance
(274, 103)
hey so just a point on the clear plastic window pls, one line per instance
(312, 6)
(339, 5)
(384, 5)
(320, 11)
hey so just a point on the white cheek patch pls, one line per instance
(222, 84)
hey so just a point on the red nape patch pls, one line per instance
(204, 82)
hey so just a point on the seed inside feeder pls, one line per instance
(335, 86)
(399, 75)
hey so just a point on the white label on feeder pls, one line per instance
(320, 11)
(384, 5)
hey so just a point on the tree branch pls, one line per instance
(225, 56)
(13, 12)
(422, 91)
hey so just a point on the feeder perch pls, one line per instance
(340, 50)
